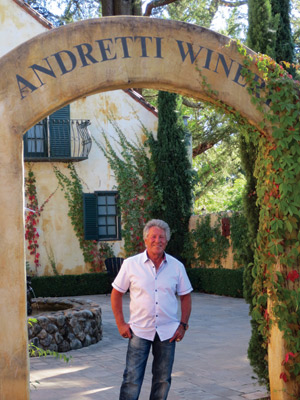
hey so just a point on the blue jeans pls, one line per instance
(136, 361)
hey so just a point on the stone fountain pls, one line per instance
(64, 324)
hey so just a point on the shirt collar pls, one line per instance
(146, 258)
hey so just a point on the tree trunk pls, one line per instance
(107, 8)
(121, 7)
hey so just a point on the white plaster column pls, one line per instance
(14, 363)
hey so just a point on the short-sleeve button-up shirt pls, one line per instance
(153, 301)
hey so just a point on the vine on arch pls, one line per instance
(277, 255)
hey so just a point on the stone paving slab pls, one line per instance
(210, 364)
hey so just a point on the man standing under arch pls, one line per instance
(154, 278)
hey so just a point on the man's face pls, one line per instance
(156, 242)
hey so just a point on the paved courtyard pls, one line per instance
(211, 362)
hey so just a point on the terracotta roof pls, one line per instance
(140, 99)
(34, 14)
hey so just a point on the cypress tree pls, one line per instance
(261, 33)
(284, 45)
(173, 172)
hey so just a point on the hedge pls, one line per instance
(224, 282)
(71, 285)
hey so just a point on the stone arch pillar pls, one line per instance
(65, 64)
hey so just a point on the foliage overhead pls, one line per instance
(216, 172)
(201, 12)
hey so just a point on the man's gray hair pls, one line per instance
(160, 224)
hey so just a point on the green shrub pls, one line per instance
(206, 244)
(224, 282)
(71, 285)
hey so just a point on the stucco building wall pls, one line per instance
(57, 236)
(17, 25)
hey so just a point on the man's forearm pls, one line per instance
(117, 306)
(186, 307)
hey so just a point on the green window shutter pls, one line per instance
(60, 133)
(90, 216)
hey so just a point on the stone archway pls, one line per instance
(67, 63)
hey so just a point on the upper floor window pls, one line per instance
(35, 140)
(59, 138)
(101, 216)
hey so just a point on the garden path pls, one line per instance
(211, 362)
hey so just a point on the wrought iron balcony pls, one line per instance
(58, 140)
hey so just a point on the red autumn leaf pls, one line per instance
(287, 357)
(266, 315)
(293, 275)
(283, 376)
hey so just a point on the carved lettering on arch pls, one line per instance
(116, 49)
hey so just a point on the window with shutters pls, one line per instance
(58, 138)
(101, 216)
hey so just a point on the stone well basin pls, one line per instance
(64, 324)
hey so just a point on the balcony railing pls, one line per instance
(58, 140)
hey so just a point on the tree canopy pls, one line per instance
(201, 12)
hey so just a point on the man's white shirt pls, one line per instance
(153, 301)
